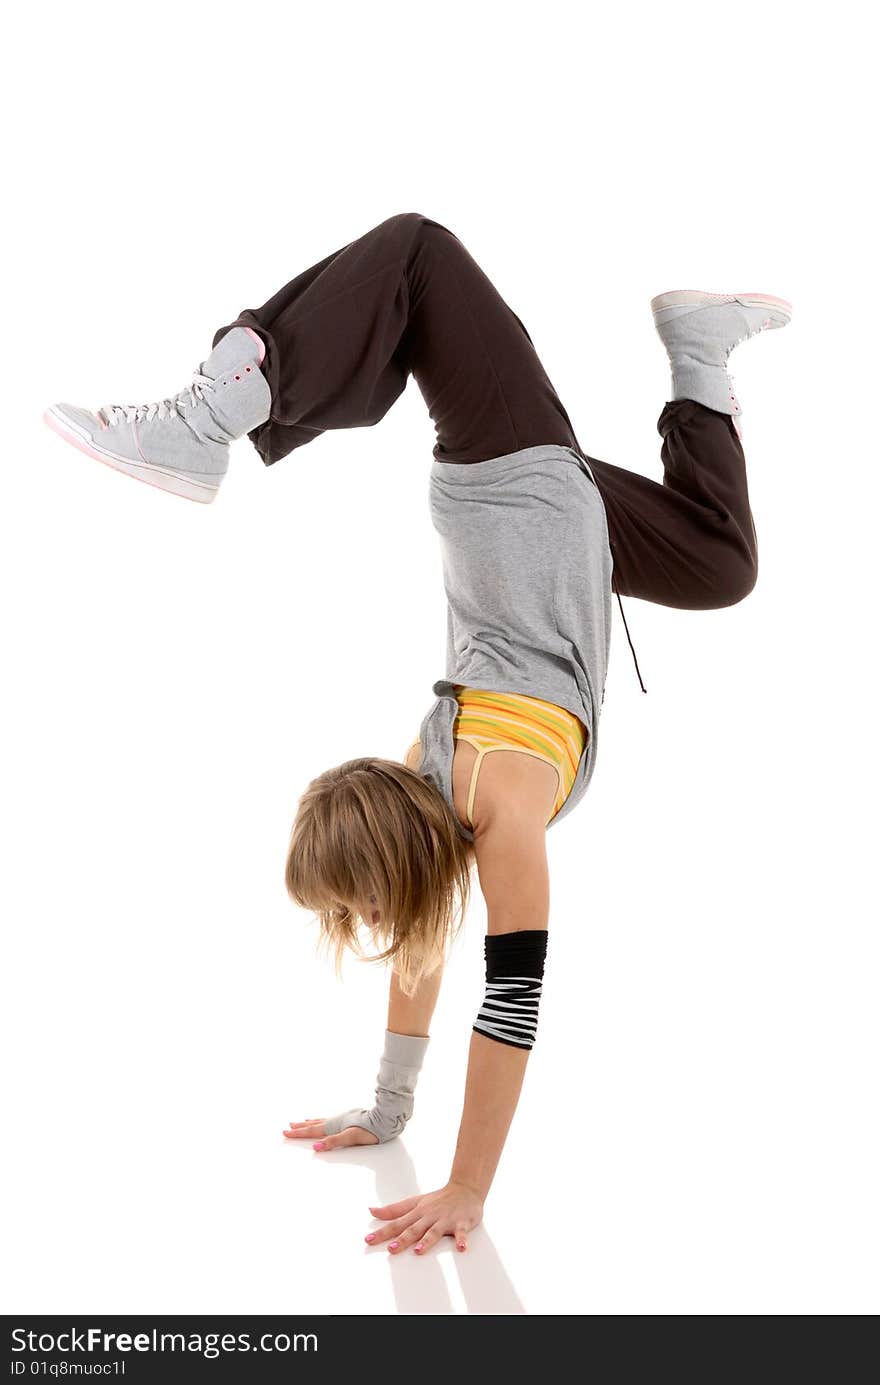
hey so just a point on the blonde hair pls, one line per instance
(375, 827)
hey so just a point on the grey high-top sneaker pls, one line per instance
(699, 331)
(180, 444)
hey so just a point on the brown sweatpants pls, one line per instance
(343, 337)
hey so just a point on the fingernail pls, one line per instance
(418, 1247)
(319, 1144)
(394, 1245)
(461, 1245)
(371, 1236)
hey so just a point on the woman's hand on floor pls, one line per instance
(314, 1130)
(420, 1221)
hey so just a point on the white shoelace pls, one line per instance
(161, 408)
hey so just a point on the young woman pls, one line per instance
(535, 537)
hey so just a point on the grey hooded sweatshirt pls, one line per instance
(527, 571)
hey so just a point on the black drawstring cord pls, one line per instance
(632, 651)
(582, 457)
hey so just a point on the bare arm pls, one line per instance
(512, 866)
(411, 1014)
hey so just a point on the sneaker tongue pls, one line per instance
(236, 348)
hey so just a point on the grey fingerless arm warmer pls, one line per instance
(399, 1070)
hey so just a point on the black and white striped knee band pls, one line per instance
(514, 972)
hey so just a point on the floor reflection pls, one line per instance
(419, 1282)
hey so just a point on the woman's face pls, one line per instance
(365, 910)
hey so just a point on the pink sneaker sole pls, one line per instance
(678, 298)
(170, 481)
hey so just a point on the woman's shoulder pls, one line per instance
(489, 788)
(413, 754)
(506, 783)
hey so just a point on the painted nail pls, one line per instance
(371, 1236)
(394, 1245)
(418, 1247)
(319, 1144)
(461, 1245)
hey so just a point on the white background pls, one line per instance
(698, 1130)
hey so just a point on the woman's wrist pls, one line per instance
(463, 1177)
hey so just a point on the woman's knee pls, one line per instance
(735, 581)
(410, 223)
(415, 225)
(410, 231)
(404, 219)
